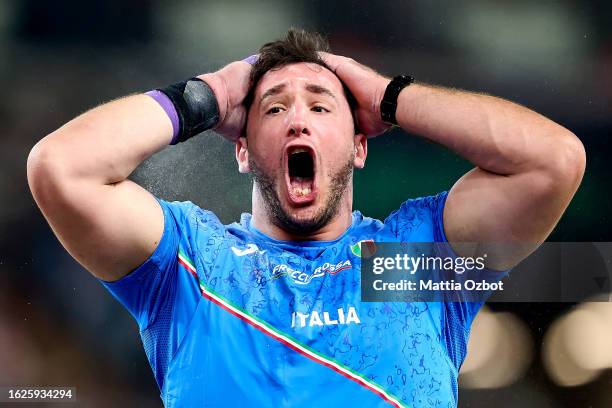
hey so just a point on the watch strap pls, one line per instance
(388, 106)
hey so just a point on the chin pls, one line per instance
(306, 214)
(304, 220)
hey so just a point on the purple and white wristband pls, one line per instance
(168, 107)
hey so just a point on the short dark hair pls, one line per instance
(297, 46)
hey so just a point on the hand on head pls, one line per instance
(368, 88)
(230, 85)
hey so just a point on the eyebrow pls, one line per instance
(275, 90)
(318, 89)
(312, 88)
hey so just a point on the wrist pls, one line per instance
(168, 107)
(193, 102)
(379, 94)
(389, 103)
(219, 88)
(409, 98)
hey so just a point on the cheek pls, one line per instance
(266, 153)
(342, 125)
(337, 157)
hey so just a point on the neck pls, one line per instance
(262, 221)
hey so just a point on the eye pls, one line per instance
(273, 110)
(319, 109)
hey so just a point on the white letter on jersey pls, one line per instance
(315, 320)
(327, 320)
(352, 316)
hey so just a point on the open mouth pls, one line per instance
(301, 174)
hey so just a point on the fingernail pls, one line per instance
(252, 59)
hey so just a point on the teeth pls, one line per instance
(299, 150)
(301, 191)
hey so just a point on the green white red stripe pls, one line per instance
(267, 329)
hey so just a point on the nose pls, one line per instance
(298, 128)
(297, 122)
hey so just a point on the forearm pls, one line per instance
(105, 144)
(494, 134)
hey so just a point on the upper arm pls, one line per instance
(109, 229)
(518, 210)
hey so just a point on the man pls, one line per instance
(267, 311)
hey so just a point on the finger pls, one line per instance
(332, 61)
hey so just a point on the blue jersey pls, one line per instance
(231, 317)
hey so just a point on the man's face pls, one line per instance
(301, 146)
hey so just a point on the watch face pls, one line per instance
(404, 80)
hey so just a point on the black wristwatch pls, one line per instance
(388, 106)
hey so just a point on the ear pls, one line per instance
(361, 150)
(242, 155)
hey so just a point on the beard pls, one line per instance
(278, 216)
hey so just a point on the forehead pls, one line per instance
(299, 74)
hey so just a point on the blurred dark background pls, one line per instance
(58, 326)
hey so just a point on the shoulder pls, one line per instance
(186, 213)
(191, 227)
(421, 217)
